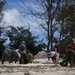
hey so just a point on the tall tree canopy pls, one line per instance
(2, 3)
(19, 34)
(2, 40)
(65, 19)
(45, 11)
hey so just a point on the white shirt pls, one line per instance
(52, 53)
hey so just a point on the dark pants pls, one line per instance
(24, 58)
(64, 63)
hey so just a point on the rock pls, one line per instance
(41, 55)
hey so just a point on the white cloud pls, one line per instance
(12, 17)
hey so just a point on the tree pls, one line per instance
(2, 3)
(66, 24)
(2, 40)
(19, 34)
(44, 10)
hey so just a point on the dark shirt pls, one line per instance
(58, 49)
(22, 48)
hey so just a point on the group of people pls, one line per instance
(67, 58)
(26, 57)
(70, 54)
(22, 55)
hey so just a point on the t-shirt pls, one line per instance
(57, 47)
(73, 47)
(52, 53)
(22, 48)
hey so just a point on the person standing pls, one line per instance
(72, 57)
(57, 51)
(22, 50)
(73, 44)
(30, 56)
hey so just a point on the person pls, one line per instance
(12, 55)
(22, 50)
(73, 52)
(66, 58)
(64, 62)
(30, 56)
(70, 55)
(73, 44)
(57, 51)
(52, 55)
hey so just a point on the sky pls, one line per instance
(13, 16)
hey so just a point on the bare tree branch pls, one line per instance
(43, 27)
(56, 9)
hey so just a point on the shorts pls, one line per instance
(54, 58)
(57, 56)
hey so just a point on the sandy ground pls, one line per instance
(40, 67)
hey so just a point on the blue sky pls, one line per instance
(12, 11)
(12, 16)
(13, 3)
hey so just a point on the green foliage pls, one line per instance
(2, 41)
(2, 47)
(66, 20)
(16, 35)
(2, 3)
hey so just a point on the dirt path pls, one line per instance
(44, 67)
(35, 69)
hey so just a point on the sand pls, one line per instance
(44, 67)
